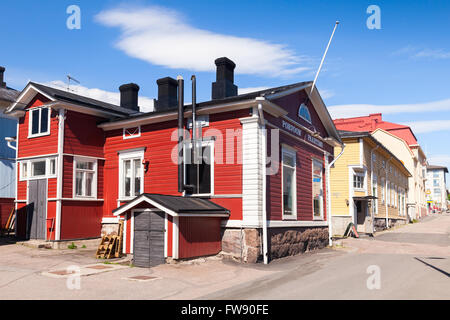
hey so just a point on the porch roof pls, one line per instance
(176, 205)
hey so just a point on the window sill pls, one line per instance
(38, 135)
(287, 218)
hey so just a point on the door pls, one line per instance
(360, 215)
(148, 239)
(37, 209)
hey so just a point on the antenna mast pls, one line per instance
(323, 58)
(69, 77)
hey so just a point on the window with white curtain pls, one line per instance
(131, 172)
(85, 176)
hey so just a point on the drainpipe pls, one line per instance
(386, 192)
(330, 216)
(371, 184)
(264, 155)
(59, 180)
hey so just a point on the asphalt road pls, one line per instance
(411, 262)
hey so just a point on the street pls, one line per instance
(410, 262)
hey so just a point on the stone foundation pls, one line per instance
(110, 229)
(242, 244)
(380, 223)
(291, 241)
(340, 223)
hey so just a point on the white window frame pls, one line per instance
(321, 179)
(29, 164)
(94, 179)
(293, 153)
(364, 183)
(131, 136)
(205, 143)
(130, 155)
(307, 110)
(30, 122)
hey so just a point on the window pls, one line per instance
(129, 133)
(435, 174)
(303, 113)
(388, 193)
(289, 183)
(358, 180)
(85, 175)
(199, 174)
(317, 189)
(375, 194)
(437, 192)
(131, 173)
(383, 191)
(374, 157)
(38, 168)
(436, 183)
(39, 122)
(383, 164)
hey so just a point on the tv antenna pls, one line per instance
(70, 78)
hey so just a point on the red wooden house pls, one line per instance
(258, 191)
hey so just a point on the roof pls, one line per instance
(76, 98)
(68, 97)
(365, 134)
(205, 104)
(374, 121)
(176, 205)
(434, 167)
(8, 94)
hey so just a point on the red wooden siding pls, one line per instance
(67, 191)
(169, 235)
(232, 204)
(82, 136)
(6, 205)
(52, 187)
(51, 214)
(199, 237)
(39, 145)
(80, 219)
(305, 154)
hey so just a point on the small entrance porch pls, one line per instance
(159, 227)
(363, 215)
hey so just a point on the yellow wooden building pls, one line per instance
(368, 185)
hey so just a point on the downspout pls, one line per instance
(371, 184)
(264, 155)
(330, 216)
(386, 192)
(180, 133)
(59, 181)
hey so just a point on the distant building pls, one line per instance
(8, 128)
(402, 142)
(369, 185)
(436, 188)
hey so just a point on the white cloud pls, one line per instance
(325, 94)
(414, 52)
(356, 110)
(163, 37)
(429, 126)
(145, 103)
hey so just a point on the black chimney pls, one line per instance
(129, 96)
(224, 86)
(2, 71)
(167, 93)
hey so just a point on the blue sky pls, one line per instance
(403, 66)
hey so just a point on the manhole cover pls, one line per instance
(99, 267)
(61, 272)
(144, 278)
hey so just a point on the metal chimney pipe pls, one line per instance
(180, 133)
